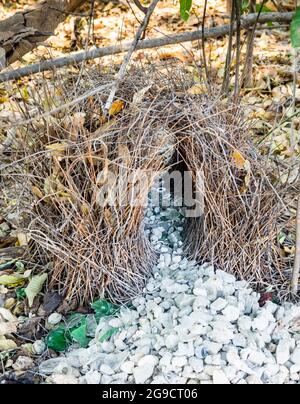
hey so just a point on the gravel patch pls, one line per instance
(193, 324)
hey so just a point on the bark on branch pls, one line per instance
(246, 23)
(23, 31)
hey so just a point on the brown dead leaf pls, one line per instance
(57, 149)
(183, 57)
(238, 159)
(116, 107)
(7, 344)
(37, 192)
(197, 89)
(22, 239)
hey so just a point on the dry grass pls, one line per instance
(98, 249)
(245, 204)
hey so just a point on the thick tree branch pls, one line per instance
(246, 23)
(23, 31)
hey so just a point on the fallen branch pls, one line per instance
(296, 272)
(246, 23)
(23, 31)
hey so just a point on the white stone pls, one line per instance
(219, 377)
(196, 364)
(212, 347)
(54, 319)
(39, 347)
(283, 352)
(145, 369)
(257, 358)
(244, 323)
(225, 276)
(295, 357)
(239, 341)
(218, 304)
(231, 313)
(127, 367)
(107, 370)
(172, 341)
(116, 322)
(179, 361)
(221, 335)
(93, 377)
(260, 323)
(253, 380)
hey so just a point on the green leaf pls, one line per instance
(80, 334)
(185, 8)
(295, 29)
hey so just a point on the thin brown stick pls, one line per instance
(296, 272)
(203, 43)
(226, 81)
(140, 6)
(138, 36)
(78, 57)
(238, 8)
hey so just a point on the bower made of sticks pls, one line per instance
(77, 156)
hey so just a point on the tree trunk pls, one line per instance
(22, 32)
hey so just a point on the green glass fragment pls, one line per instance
(58, 339)
(80, 334)
(108, 334)
(102, 308)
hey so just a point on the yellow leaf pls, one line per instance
(197, 89)
(37, 192)
(58, 148)
(22, 239)
(240, 161)
(25, 94)
(116, 107)
(12, 280)
(3, 100)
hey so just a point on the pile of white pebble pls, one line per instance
(192, 325)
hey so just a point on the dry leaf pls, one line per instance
(116, 107)
(22, 239)
(12, 280)
(37, 192)
(139, 95)
(3, 100)
(7, 344)
(240, 161)
(6, 315)
(197, 89)
(35, 287)
(58, 149)
(175, 55)
(8, 328)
